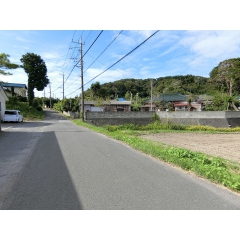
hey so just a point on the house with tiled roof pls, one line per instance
(18, 88)
(107, 106)
(186, 106)
(163, 101)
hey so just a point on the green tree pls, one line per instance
(96, 89)
(36, 70)
(128, 96)
(5, 64)
(227, 74)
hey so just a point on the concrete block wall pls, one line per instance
(118, 118)
(72, 114)
(219, 119)
(92, 115)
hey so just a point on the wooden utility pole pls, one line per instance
(81, 64)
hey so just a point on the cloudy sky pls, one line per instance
(183, 45)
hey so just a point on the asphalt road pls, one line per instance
(63, 166)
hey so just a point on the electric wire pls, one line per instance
(83, 55)
(117, 61)
(123, 57)
(104, 50)
(66, 57)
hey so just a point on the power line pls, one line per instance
(91, 45)
(88, 36)
(104, 50)
(117, 61)
(84, 54)
(123, 57)
(65, 58)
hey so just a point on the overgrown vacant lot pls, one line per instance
(225, 145)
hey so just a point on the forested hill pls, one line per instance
(188, 84)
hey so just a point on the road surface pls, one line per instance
(55, 164)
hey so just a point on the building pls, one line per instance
(18, 89)
(185, 106)
(163, 101)
(3, 99)
(107, 106)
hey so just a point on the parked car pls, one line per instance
(12, 116)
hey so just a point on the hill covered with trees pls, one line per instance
(188, 84)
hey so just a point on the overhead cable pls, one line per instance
(104, 50)
(117, 61)
(84, 55)
(123, 57)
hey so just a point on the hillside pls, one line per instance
(188, 84)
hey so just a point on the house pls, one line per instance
(147, 107)
(19, 89)
(185, 106)
(205, 100)
(107, 106)
(163, 101)
(3, 99)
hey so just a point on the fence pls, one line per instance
(208, 118)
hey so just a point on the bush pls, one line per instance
(39, 108)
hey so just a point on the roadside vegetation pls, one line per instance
(216, 169)
(29, 112)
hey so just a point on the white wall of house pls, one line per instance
(3, 99)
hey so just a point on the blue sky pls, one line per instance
(167, 53)
(192, 39)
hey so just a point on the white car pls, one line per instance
(12, 116)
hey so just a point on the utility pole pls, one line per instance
(50, 95)
(63, 84)
(151, 93)
(81, 64)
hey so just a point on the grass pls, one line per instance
(29, 113)
(217, 170)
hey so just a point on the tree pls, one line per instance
(5, 64)
(36, 70)
(227, 73)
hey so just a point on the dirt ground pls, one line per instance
(225, 145)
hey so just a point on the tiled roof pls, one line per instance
(112, 102)
(170, 97)
(18, 85)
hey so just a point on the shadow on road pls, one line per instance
(45, 183)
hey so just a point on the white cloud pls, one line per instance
(212, 44)
(23, 40)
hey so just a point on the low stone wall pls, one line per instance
(118, 118)
(72, 114)
(216, 119)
